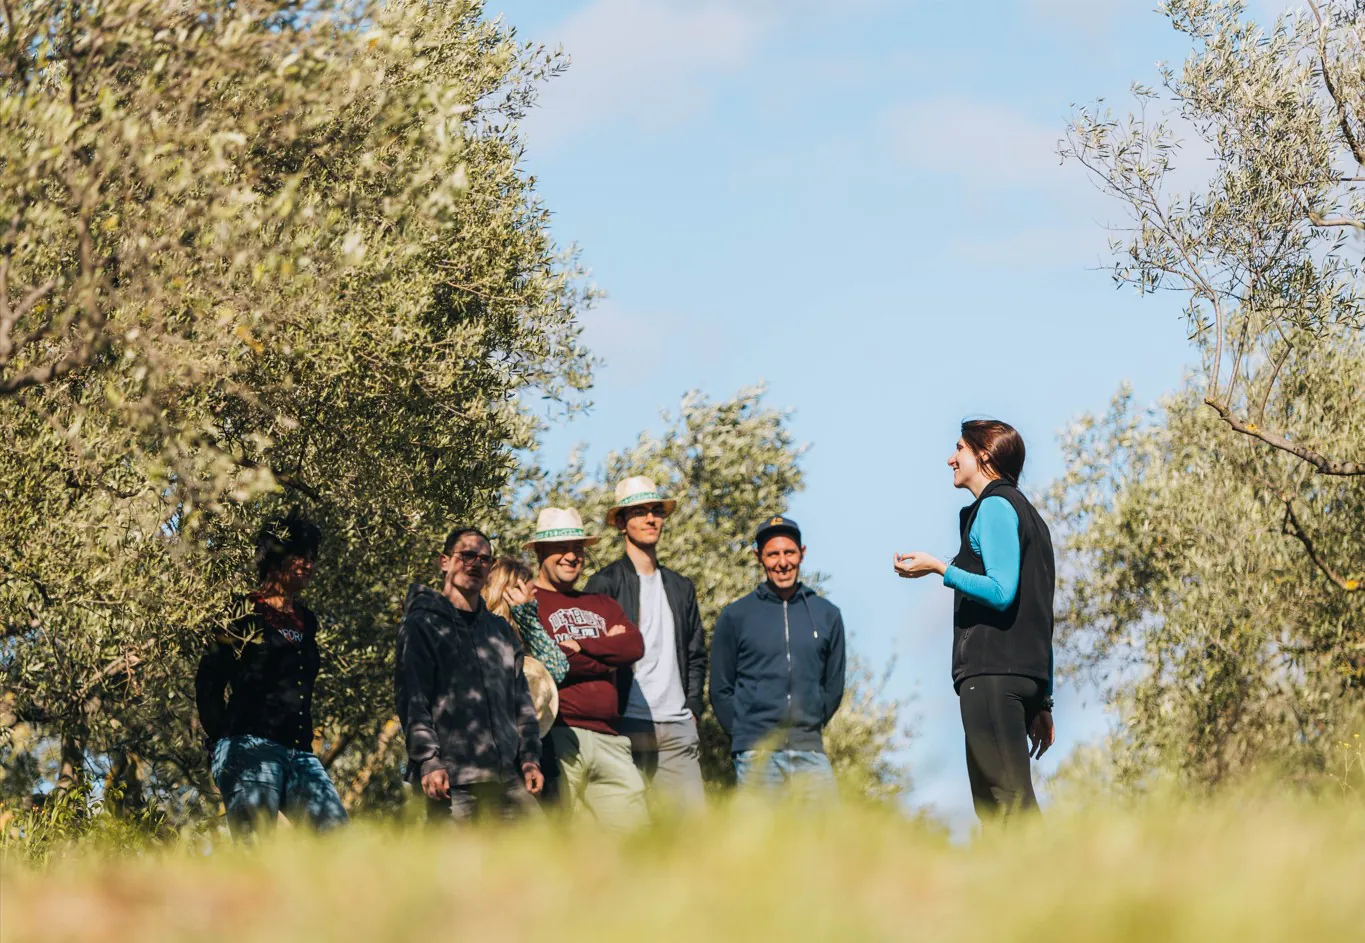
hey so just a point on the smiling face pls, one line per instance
(781, 558)
(968, 472)
(466, 566)
(562, 563)
(643, 523)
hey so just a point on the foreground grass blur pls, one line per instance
(1238, 869)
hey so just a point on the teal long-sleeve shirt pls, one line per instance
(995, 538)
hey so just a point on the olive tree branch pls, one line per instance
(1293, 527)
(1274, 378)
(94, 341)
(1323, 464)
(1344, 117)
(1325, 222)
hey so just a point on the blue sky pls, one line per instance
(860, 204)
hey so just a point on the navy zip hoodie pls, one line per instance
(777, 668)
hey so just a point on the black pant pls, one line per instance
(997, 712)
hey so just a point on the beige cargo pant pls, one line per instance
(598, 777)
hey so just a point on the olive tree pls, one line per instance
(1219, 644)
(1267, 255)
(254, 254)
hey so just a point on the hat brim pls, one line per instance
(614, 513)
(544, 693)
(585, 541)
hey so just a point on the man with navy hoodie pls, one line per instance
(777, 668)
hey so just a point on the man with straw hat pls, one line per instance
(662, 692)
(597, 774)
(468, 717)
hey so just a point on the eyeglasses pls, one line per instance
(472, 557)
(645, 510)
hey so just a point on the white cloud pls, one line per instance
(647, 62)
(653, 64)
(964, 138)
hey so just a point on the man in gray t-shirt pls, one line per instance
(662, 692)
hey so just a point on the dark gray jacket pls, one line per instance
(462, 697)
(621, 582)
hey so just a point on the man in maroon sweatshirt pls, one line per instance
(597, 774)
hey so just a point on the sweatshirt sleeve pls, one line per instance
(528, 725)
(538, 643)
(832, 678)
(996, 532)
(416, 682)
(723, 671)
(210, 687)
(585, 668)
(616, 651)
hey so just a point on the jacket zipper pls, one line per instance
(787, 636)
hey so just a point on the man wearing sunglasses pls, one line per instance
(470, 724)
(662, 692)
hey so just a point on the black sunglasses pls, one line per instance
(473, 556)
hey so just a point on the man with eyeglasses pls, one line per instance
(470, 724)
(596, 773)
(662, 691)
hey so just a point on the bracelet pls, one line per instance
(1047, 703)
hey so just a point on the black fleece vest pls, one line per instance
(1017, 641)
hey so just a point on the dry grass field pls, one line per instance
(1243, 870)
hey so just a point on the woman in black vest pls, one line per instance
(1002, 580)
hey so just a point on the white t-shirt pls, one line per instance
(656, 691)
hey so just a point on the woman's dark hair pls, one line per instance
(997, 445)
(290, 536)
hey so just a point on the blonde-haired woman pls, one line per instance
(509, 593)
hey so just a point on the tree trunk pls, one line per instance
(374, 762)
(71, 774)
(123, 785)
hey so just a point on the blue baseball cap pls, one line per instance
(774, 526)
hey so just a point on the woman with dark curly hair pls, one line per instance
(266, 660)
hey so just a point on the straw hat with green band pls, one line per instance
(635, 491)
(558, 526)
(544, 693)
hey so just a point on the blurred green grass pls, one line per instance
(1237, 868)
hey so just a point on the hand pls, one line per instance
(616, 630)
(436, 784)
(534, 778)
(912, 566)
(1041, 735)
(570, 645)
(521, 593)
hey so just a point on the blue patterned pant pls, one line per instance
(259, 778)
